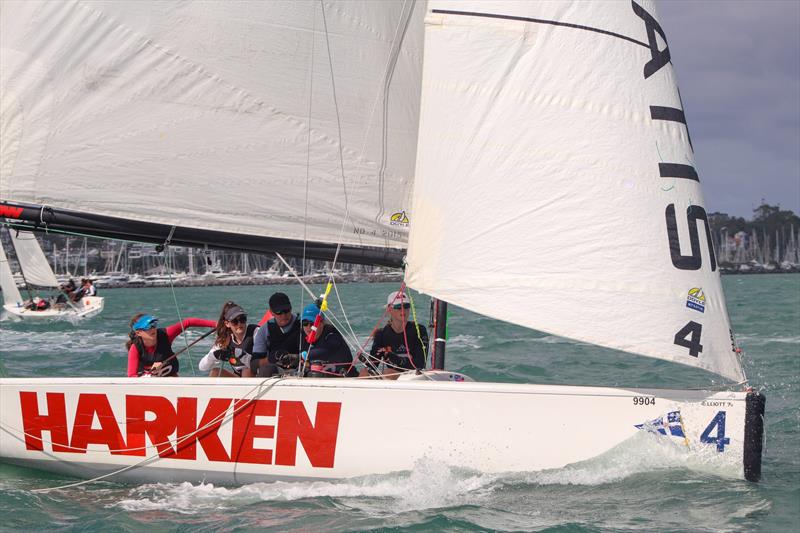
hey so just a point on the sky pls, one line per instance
(738, 68)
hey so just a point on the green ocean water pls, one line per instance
(642, 486)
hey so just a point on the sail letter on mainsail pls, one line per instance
(293, 120)
(540, 194)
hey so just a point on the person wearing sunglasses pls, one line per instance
(279, 336)
(329, 356)
(398, 343)
(149, 346)
(233, 345)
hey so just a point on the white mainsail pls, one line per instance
(555, 184)
(11, 295)
(257, 118)
(32, 262)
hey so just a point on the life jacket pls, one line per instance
(162, 352)
(238, 362)
(280, 342)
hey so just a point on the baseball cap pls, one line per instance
(233, 312)
(397, 298)
(279, 303)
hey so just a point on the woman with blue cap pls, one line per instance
(149, 346)
(327, 351)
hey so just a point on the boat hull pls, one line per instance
(235, 431)
(88, 307)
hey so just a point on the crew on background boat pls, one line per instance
(67, 291)
(233, 345)
(402, 343)
(324, 348)
(149, 346)
(88, 288)
(280, 335)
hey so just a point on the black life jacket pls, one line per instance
(280, 342)
(246, 347)
(162, 352)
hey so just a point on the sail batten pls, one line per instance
(568, 200)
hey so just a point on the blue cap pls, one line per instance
(145, 322)
(310, 312)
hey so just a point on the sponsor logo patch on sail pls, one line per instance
(399, 219)
(696, 299)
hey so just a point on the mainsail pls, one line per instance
(11, 295)
(555, 184)
(32, 262)
(293, 121)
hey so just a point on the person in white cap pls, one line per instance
(402, 343)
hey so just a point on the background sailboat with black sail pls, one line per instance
(37, 274)
(307, 128)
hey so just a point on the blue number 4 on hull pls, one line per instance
(720, 440)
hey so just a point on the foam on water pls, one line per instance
(428, 485)
(431, 485)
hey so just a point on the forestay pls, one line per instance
(255, 118)
(32, 261)
(556, 186)
(11, 295)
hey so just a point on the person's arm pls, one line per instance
(420, 346)
(176, 329)
(261, 342)
(209, 360)
(133, 361)
(377, 342)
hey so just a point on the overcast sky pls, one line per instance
(738, 66)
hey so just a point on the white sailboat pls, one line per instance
(553, 187)
(36, 272)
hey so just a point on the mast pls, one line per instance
(439, 329)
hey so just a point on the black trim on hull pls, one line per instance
(39, 218)
(753, 435)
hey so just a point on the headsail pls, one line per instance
(555, 184)
(259, 119)
(32, 261)
(11, 294)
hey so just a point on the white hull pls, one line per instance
(342, 428)
(88, 306)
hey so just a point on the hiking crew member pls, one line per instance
(233, 345)
(148, 345)
(389, 343)
(279, 336)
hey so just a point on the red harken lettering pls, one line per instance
(162, 422)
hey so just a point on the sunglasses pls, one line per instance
(241, 319)
(282, 312)
(305, 323)
(401, 306)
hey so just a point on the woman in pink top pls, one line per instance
(149, 346)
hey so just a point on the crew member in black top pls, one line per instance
(281, 335)
(329, 355)
(398, 343)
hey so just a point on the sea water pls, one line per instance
(643, 485)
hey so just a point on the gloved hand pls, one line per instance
(222, 355)
(288, 360)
